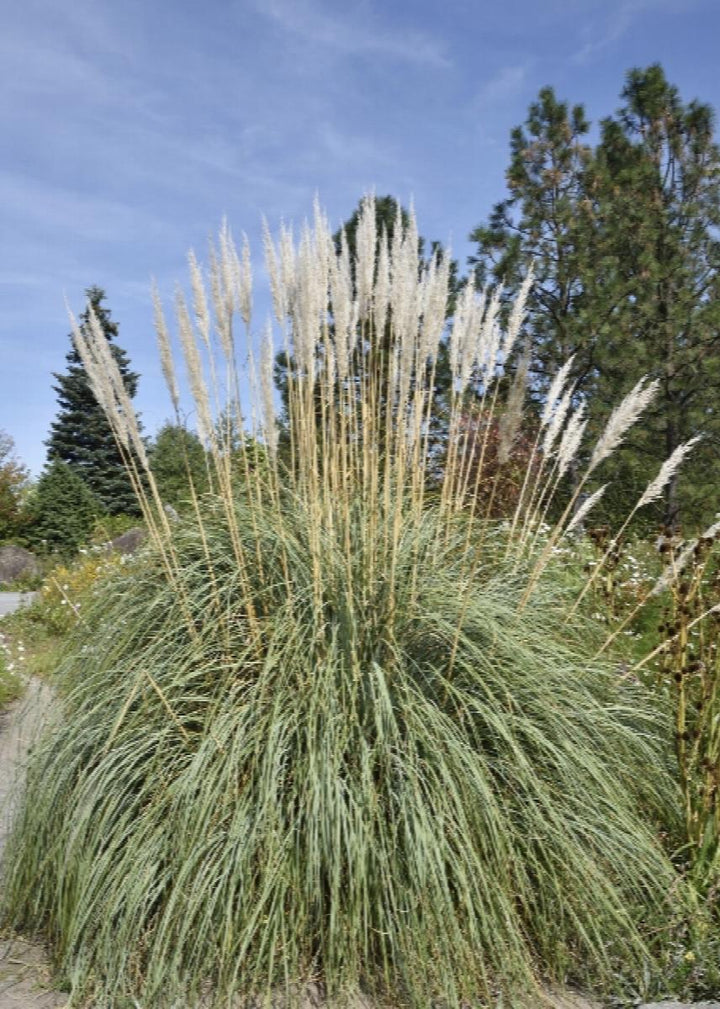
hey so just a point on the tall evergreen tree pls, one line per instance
(658, 195)
(80, 435)
(546, 220)
(627, 269)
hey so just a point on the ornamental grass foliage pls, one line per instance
(334, 727)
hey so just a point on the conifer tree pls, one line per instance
(62, 510)
(178, 460)
(658, 194)
(546, 221)
(80, 435)
(627, 268)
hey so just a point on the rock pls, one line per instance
(16, 562)
(128, 542)
(680, 1005)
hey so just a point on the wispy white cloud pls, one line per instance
(76, 214)
(348, 36)
(616, 20)
(506, 83)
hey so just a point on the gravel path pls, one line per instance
(25, 974)
(10, 601)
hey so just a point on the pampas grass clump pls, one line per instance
(333, 728)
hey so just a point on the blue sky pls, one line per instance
(130, 127)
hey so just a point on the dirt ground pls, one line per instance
(25, 976)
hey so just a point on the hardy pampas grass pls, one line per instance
(318, 735)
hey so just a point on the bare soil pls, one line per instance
(25, 972)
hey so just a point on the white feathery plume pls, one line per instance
(668, 469)
(98, 380)
(166, 358)
(123, 410)
(517, 315)
(571, 439)
(556, 421)
(267, 358)
(303, 305)
(194, 369)
(324, 246)
(365, 244)
(288, 266)
(222, 299)
(224, 292)
(382, 285)
(488, 334)
(228, 259)
(512, 418)
(555, 391)
(341, 295)
(470, 336)
(405, 293)
(244, 282)
(621, 420)
(202, 315)
(277, 288)
(435, 305)
(584, 508)
(459, 333)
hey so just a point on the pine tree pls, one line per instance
(658, 197)
(178, 459)
(547, 221)
(80, 435)
(627, 268)
(62, 510)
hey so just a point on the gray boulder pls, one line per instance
(128, 542)
(16, 562)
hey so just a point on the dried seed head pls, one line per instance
(166, 358)
(571, 439)
(584, 509)
(667, 471)
(621, 420)
(555, 391)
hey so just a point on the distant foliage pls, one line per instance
(14, 480)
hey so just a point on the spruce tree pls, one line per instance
(80, 435)
(178, 460)
(62, 510)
